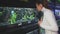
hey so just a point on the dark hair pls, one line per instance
(43, 2)
(39, 2)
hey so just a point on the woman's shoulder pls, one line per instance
(48, 11)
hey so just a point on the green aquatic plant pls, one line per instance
(24, 18)
(28, 16)
(13, 17)
(0, 13)
(58, 1)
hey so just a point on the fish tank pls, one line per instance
(12, 15)
(57, 15)
(57, 11)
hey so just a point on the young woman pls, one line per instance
(48, 22)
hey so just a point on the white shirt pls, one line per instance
(49, 22)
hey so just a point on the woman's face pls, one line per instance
(39, 7)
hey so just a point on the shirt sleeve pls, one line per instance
(50, 19)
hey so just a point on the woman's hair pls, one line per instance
(39, 2)
(43, 2)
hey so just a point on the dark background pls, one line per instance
(17, 3)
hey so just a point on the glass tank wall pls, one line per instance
(11, 15)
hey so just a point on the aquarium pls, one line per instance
(12, 15)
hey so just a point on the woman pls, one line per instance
(48, 22)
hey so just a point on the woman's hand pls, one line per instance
(39, 22)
